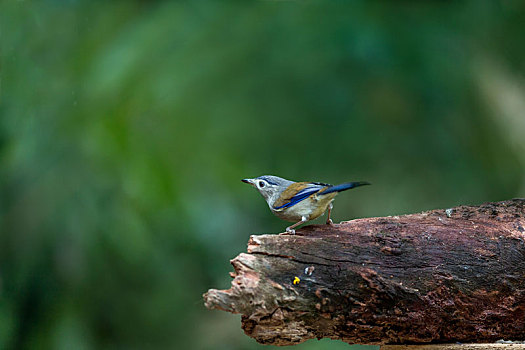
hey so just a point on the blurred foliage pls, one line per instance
(125, 128)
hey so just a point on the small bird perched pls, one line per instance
(298, 201)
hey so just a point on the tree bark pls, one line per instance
(483, 346)
(442, 276)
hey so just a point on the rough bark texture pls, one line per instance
(485, 346)
(443, 276)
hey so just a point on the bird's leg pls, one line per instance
(328, 220)
(290, 229)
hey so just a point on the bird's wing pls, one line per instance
(295, 193)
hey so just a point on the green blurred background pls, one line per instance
(126, 126)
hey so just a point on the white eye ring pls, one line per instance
(260, 184)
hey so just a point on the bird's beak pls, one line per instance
(248, 181)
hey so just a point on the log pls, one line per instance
(483, 346)
(442, 276)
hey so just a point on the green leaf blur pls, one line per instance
(126, 126)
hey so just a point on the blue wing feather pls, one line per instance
(300, 196)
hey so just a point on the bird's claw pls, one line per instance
(329, 222)
(289, 231)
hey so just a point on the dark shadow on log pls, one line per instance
(443, 276)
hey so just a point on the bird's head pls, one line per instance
(269, 186)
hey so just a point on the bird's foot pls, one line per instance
(289, 231)
(329, 222)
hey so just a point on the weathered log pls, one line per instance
(442, 276)
(482, 346)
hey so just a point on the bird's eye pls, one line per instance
(261, 184)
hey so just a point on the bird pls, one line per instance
(299, 202)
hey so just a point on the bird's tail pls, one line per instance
(344, 187)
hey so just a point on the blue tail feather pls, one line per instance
(343, 187)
